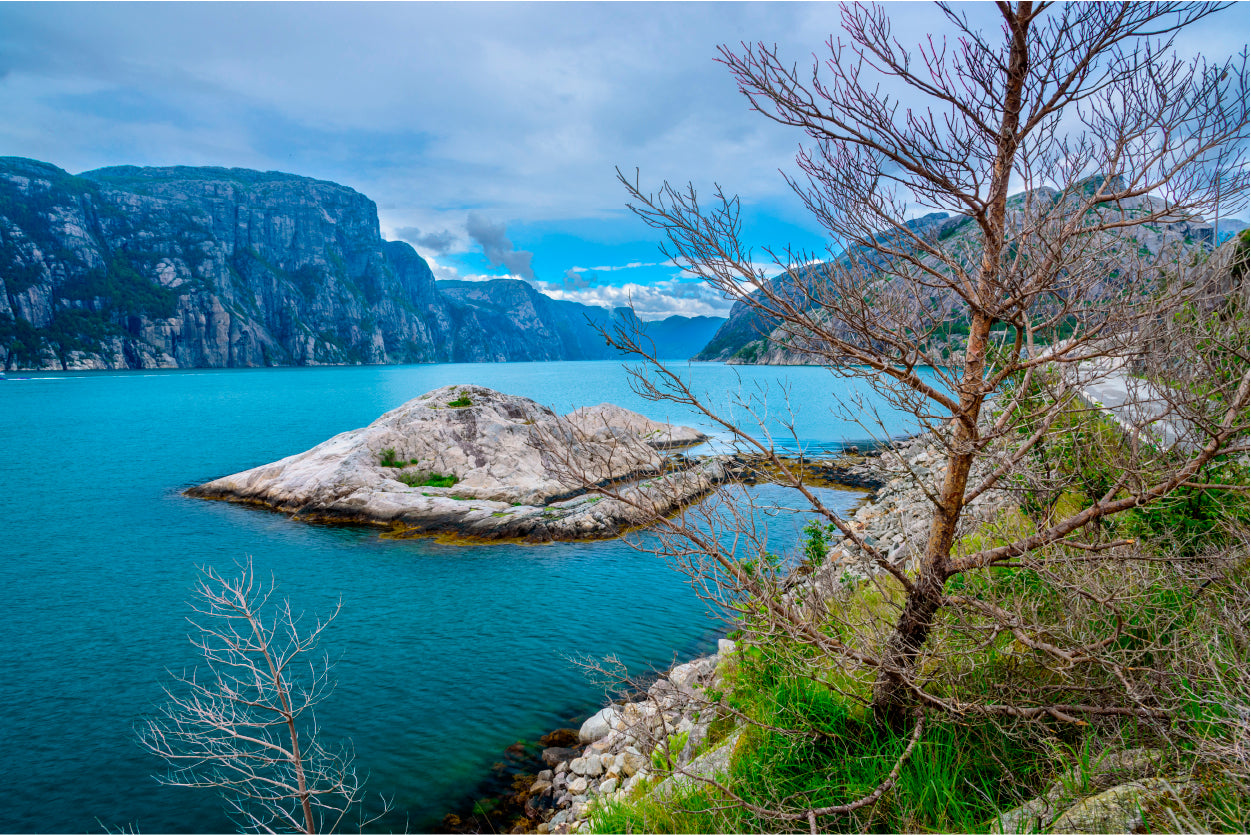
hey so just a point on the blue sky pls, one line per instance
(483, 131)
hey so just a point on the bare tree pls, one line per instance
(1112, 143)
(1005, 329)
(243, 724)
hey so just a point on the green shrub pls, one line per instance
(426, 479)
(817, 538)
(460, 402)
(1190, 519)
(388, 459)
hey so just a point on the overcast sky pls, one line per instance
(487, 133)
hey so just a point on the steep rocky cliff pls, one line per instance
(208, 267)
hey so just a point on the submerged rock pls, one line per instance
(472, 461)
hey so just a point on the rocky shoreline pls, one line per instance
(629, 743)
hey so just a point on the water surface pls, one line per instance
(448, 654)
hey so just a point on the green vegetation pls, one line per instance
(123, 289)
(1176, 605)
(426, 479)
(817, 541)
(461, 402)
(389, 458)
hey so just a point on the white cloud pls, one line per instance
(656, 301)
(631, 266)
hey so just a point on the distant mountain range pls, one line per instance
(751, 337)
(185, 267)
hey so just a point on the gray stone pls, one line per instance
(631, 762)
(545, 774)
(1120, 809)
(684, 676)
(540, 786)
(558, 819)
(599, 724)
(1116, 767)
(725, 646)
(587, 766)
(608, 786)
(709, 764)
(578, 786)
(608, 420)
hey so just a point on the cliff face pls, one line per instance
(208, 267)
(193, 267)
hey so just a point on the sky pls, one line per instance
(489, 134)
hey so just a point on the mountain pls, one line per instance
(184, 267)
(752, 337)
(679, 337)
(510, 311)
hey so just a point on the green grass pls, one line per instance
(426, 479)
(958, 777)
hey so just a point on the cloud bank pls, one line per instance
(497, 247)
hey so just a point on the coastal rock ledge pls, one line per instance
(479, 464)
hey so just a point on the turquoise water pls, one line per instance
(448, 654)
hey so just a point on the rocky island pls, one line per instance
(478, 464)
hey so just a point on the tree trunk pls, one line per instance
(893, 691)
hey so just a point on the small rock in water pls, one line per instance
(556, 756)
(560, 738)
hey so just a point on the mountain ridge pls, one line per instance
(194, 267)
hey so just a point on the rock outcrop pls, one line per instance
(473, 462)
(184, 267)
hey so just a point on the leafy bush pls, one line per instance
(461, 402)
(388, 458)
(426, 479)
(1191, 519)
(817, 538)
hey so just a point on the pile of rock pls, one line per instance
(624, 745)
(848, 470)
(896, 520)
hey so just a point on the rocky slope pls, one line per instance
(472, 462)
(209, 267)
